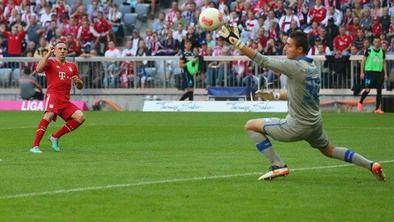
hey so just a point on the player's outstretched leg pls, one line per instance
(76, 120)
(278, 168)
(345, 154)
(41, 129)
(363, 96)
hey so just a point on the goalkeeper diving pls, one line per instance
(303, 120)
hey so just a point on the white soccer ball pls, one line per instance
(210, 19)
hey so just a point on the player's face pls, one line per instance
(292, 51)
(377, 43)
(61, 51)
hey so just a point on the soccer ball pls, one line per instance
(210, 19)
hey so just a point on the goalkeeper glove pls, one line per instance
(231, 35)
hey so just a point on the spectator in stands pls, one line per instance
(293, 27)
(135, 38)
(211, 43)
(31, 48)
(14, 39)
(192, 36)
(357, 9)
(332, 31)
(252, 25)
(73, 46)
(376, 10)
(391, 29)
(318, 49)
(238, 70)
(338, 64)
(102, 28)
(343, 41)
(333, 13)
(42, 49)
(92, 71)
(190, 14)
(273, 32)
(366, 19)
(352, 28)
(45, 16)
(285, 20)
(215, 71)
(126, 67)
(348, 18)
(142, 65)
(79, 13)
(50, 33)
(115, 17)
(366, 45)
(35, 30)
(376, 27)
(158, 24)
(85, 36)
(358, 41)
(17, 20)
(318, 13)
(180, 33)
(385, 20)
(93, 10)
(169, 46)
(171, 13)
(11, 6)
(62, 10)
(234, 19)
(270, 48)
(179, 20)
(112, 67)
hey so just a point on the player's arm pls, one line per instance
(385, 67)
(43, 62)
(76, 79)
(362, 74)
(182, 62)
(285, 66)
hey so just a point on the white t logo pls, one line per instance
(62, 75)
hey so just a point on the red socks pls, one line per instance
(42, 127)
(68, 127)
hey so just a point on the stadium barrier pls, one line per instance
(164, 72)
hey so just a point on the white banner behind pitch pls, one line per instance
(215, 106)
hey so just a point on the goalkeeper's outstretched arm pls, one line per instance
(286, 66)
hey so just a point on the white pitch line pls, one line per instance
(106, 187)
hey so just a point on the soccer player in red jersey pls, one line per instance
(60, 75)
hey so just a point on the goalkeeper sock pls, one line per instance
(265, 147)
(68, 127)
(42, 127)
(343, 153)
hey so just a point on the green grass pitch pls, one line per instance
(136, 166)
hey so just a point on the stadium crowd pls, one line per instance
(336, 29)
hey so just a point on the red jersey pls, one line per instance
(74, 30)
(102, 26)
(15, 42)
(318, 14)
(342, 42)
(86, 35)
(59, 76)
(376, 29)
(16, 2)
